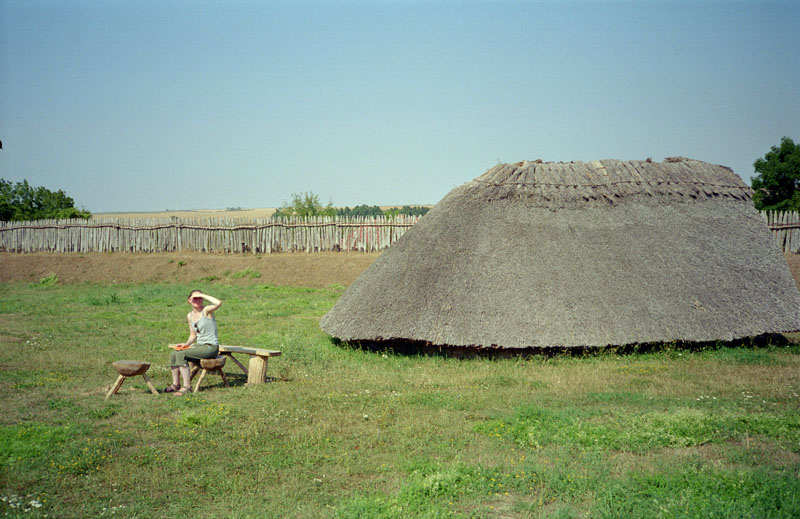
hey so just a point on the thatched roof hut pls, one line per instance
(578, 254)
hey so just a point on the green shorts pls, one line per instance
(181, 358)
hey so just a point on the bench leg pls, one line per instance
(257, 373)
(195, 368)
(234, 359)
(116, 386)
(224, 378)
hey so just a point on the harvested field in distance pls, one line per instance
(212, 214)
(200, 214)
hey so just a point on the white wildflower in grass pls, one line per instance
(25, 504)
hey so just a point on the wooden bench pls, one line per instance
(257, 367)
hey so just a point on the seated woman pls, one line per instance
(203, 331)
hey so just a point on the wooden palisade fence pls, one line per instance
(313, 234)
(785, 227)
(366, 234)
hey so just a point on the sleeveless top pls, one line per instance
(206, 330)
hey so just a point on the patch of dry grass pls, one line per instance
(198, 214)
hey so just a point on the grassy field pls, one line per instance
(346, 433)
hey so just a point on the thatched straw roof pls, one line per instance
(578, 254)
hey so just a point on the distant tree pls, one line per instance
(360, 210)
(304, 204)
(21, 201)
(406, 210)
(777, 185)
(374, 211)
(6, 206)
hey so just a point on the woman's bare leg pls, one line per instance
(186, 374)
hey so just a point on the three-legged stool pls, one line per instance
(131, 368)
(209, 365)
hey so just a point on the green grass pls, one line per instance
(246, 273)
(347, 433)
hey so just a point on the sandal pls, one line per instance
(182, 391)
(171, 388)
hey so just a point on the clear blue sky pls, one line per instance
(138, 106)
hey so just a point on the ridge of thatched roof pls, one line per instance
(609, 181)
(516, 259)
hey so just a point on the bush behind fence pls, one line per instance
(314, 234)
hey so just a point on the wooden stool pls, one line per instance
(131, 368)
(208, 365)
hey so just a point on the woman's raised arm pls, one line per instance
(208, 310)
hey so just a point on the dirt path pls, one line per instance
(311, 270)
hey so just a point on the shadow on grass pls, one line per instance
(235, 380)
(415, 348)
